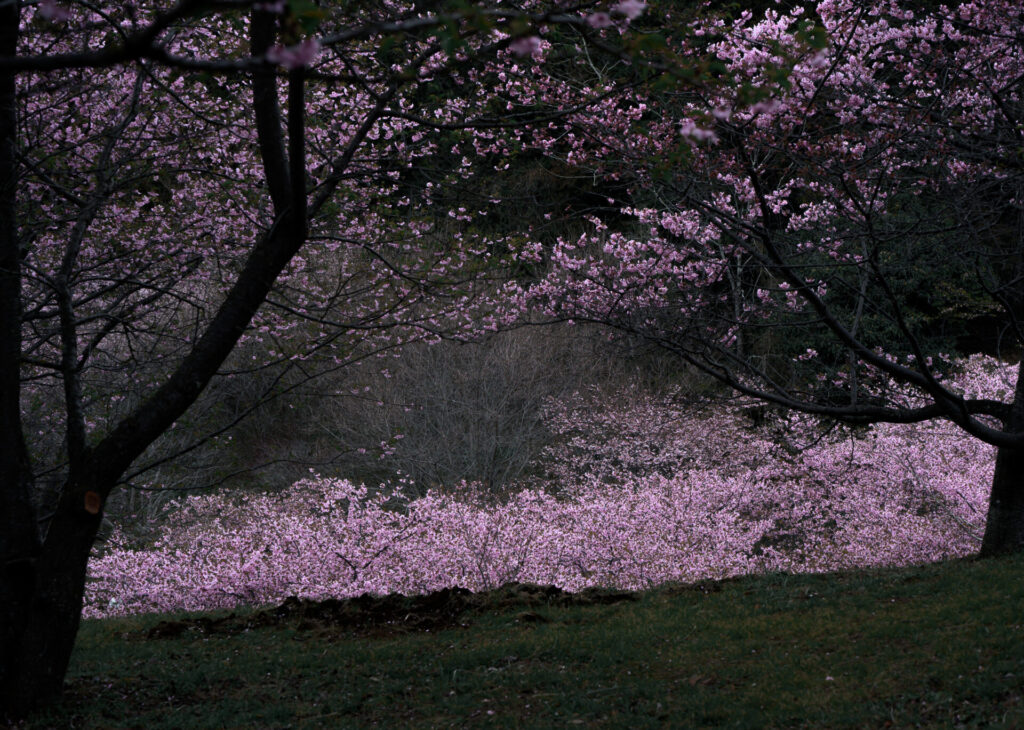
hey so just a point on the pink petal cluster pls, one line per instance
(632, 9)
(689, 129)
(525, 46)
(297, 56)
(50, 10)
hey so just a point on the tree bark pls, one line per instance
(19, 537)
(41, 582)
(55, 608)
(1004, 526)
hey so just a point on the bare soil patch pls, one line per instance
(393, 613)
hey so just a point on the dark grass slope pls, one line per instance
(936, 646)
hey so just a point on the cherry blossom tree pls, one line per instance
(181, 181)
(775, 237)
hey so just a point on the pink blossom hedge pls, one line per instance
(647, 493)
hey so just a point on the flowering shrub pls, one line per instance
(645, 494)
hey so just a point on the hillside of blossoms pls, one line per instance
(638, 489)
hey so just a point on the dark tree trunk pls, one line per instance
(19, 538)
(42, 654)
(1004, 527)
(41, 582)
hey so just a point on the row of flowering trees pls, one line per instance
(640, 490)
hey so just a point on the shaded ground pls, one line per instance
(936, 646)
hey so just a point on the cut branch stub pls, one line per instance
(93, 502)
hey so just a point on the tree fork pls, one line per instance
(43, 582)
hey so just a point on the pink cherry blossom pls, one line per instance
(766, 106)
(690, 129)
(50, 10)
(296, 56)
(632, 9)
(526, 46)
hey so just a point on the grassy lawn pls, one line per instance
(934, 646)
